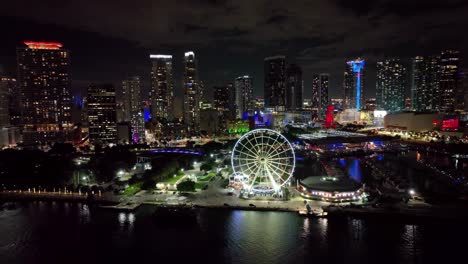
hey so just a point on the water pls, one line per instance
(45, 232)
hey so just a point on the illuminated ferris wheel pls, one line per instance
(265, 158)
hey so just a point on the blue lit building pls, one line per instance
(354, 83)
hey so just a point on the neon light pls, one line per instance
(43, 45)
(160, 56)
(358, 91)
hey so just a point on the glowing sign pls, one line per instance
(43, 45)
(380, 113)
(450, 124)
(160, 56)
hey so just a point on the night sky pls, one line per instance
(110, 40)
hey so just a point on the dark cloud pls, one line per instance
(235, 34)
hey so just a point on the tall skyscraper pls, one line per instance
(449, 79)
(320, 100)
(191, 93)
(275, 82)
(102, 116)
(294, 88)
(162, 87)
(223, 103)
(44, 79)
(390, 85)
(425, 83)
(9, 111)
(354, 83)
(134, 107)
(244, 96)
(315, 100)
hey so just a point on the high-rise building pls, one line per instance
(390, 85)
(191, 93)
(294, 88)
(449, 79)
(44, 80)
(134, 107)
(354, 83)
(425, 90)
(101, 111)
(162, 87)
(320, 100)
(244, 96)
(222, 103)
(275, 82)
(7, 88)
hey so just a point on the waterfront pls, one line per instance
(48, 232)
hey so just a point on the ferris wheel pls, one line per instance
(265, 158)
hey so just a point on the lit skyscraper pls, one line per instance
(223, 99)
(425, 90)
(320, 101)
(8, 109)
(44, 79)
(354, 83)
(275, 82)
(449, 79)
(133, 107)
(101, 111)
(294, 88)
(162, 87)
(390, 85)
(244, 96)
(191, 93)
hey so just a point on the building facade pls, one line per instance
(390, 85)
(425, 80)
(101, 112)
(354, 80)
(131, 89)
(449, 79)
(275, 82)
(191, 93)
(45, 82)
(244, 96)
(294, 88)
(162, 87)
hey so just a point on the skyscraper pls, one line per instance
(222, 103)
(44, 79)
(7, 108)
(294, 88)
(162, 87)
(390, 85)
(191, 93)
(133, 107)
(425, 83)
(320, 100)
(102, 117)
(449, 79)
(275, 82)
(354, 83)
(244, 96)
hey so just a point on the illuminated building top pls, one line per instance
(189, 53)
(160, 56)
(43, 45)
(275, 57)
(357, 64)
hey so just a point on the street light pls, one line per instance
(412, 192)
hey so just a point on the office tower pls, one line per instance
(102, 117)
(294, 88)
(275, 82)
(44, 80)
(133, 104)
(354, 83)
(221, 103)
(191, 93)
(320, 101)
(244, 96)
(390, 85)
(315, 100)
(425, 80)
(162, 87)
(10, 111)
(449, 79)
